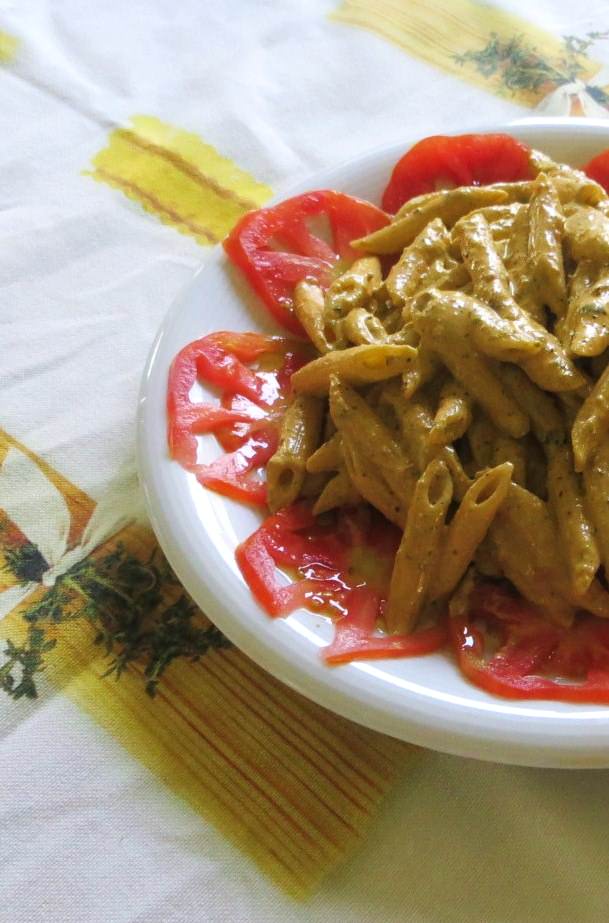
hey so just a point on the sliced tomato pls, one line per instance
(276, 247)
(598, 169)
(322, 556)
(230, 474)
(219, 359)
(356, 637)
(505, 646)
(443, 161)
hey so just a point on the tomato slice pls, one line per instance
(219, 359)
(276, 247)
(323, 556)
(598, 169)
(443, 161)
(229, 474)
(504, 646)
(356, 637)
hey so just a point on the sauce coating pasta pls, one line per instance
(455, 399)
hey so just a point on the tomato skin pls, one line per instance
(457, 160)
(355, 637)
(219, 359)
(598, 169)
(228, 474)
(255, 245)
(531, 650)
(293, 538)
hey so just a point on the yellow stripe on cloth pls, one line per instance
(8, 47)
(439, 31)
(289, 783)
(174, 175)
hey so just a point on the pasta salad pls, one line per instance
(432, 441)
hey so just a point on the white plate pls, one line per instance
(423, 700)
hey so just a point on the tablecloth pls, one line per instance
(134, 135)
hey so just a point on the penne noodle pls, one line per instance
(449, 206)
(481, 437)
(328, 457)
(443, 330)
(338, 491)
(546, 421)
(453, 416)
(512, 451)
(355, 420)
(354, 288)
(551, 368)
(584, 331)
(361, 326)
(587, 235)
(413, 569)
(416, 423)
(370, 485)
(517, 263)
(358, 365)
(596, 479)
(469, 526)
(298, 439)
(529, 554)
(423, 370)
(545, 245)
(406, 276)
(309, 308)
(536, 468)
(566, 499)
(591, 423)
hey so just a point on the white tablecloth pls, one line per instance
(87, 274)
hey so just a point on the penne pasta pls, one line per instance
(358, 423)
(354, 288)
(591, 423)
(551, 368)
(309, 308)
(518, 265)
(453, 416)
(545, 245)
(587, 235)
(423, 370)
(443, 330)
(338, 491)
(413, 569)
(469, 526)
(546, 421)
(449, 205)
(584, 331)
(358, 365)
(566, 498)
(368, 482)
(416, 262)
(361, 326)
(512, 451)
(528, 552)
(298, 439)
(328, 457)
(596, 478)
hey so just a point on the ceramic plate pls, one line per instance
(423, 700)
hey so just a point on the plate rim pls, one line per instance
(514, 740)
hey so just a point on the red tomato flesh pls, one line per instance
(247, 420)
(505, 646)
(276, 247)
(334, 577)
(598, 169)
(443, 161)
